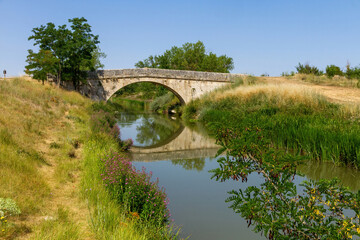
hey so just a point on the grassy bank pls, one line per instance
(40, 159)
(291, 117)
(50, 168)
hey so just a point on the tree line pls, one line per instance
(330, 71)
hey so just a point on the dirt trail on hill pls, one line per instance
(64, 194)
(333, 93)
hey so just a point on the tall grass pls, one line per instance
(293, 118)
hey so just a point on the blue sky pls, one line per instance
(262, 36)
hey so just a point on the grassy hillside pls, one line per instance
(41, 129)
(50, 169)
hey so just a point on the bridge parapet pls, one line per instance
(160, 74)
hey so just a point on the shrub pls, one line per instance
(333, 70)
(134, 189)
(287, 74)
(307, 69)
(352, 72)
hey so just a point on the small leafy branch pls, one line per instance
(317, 210)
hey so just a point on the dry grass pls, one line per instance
(339, 81)
(38, 177)
(282, 94)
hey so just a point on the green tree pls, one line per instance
(307, 69)
(41, 64)
(191, 56)
(65, 53)
(333, 70)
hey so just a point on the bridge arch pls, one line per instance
(182, 101)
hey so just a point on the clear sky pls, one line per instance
(262, 36)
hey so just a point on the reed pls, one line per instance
(292, 117)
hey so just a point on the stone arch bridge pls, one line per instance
(186, 85)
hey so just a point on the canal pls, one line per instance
(181, 157)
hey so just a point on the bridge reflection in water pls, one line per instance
(185, 143)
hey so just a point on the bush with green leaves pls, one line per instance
(333, 70)
(352, 72)
(307, 69)
(277, 208)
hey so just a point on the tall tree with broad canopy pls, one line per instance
(191, 56)
(63, 52)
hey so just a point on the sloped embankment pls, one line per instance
(292, 117)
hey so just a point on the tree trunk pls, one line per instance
(59, 76)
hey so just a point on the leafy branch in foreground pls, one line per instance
(277, 208)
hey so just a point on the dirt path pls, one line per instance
(64, 193)
(333, 93)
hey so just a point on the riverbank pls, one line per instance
(292, 117)
(50, 168)
(270, 130)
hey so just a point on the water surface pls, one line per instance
(182, 157)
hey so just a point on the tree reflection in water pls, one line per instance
(155, 129)
(190, 164)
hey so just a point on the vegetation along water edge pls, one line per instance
(270, 130)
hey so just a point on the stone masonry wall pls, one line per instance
(160, 73)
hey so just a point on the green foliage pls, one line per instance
(191, 56)
(65, 53)
(333, 70)
(307, 69)
(352, 72)
(164, 103)
(286, 74)
(41, 64)
(314, 126)
(109, 219)
(134, 189)
(277, 209)
(144, 90)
